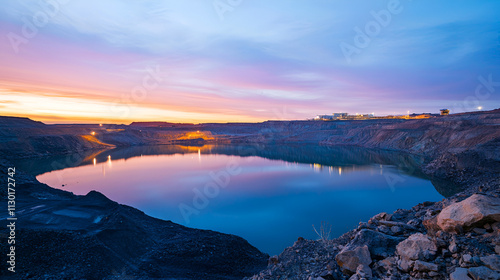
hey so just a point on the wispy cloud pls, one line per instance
(263, 56)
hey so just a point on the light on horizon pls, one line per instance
(92, 133)
(480, 108)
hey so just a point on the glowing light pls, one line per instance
(92, 133)
(480, 108)
(100, 124)
(109, 161)
(95, 161)
(340, 170)
(199, 155)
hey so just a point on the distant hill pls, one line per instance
(6, 121)
(157, 124)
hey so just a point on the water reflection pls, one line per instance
(278, 194)
(317, 156)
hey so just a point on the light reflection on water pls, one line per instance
(276, 196)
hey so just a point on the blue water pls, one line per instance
(269, 195)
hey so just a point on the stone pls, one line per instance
(273, 260)
(387, 263)
(467, 258)
(491, 262)
(399, 224)
(422, 266)
(396, 229)
(380, 245)
(355, 277)
(497, 249)
(483, 273)
(495, 226)
(327, 275)
(445, 253)
(417, 246)
(476, 210)
(364, 271)
(405, 265)
(433, 274)
(349, 259)
(431, 225)
(460, 274)
(453, 247)
(479, 230)
(383, 229)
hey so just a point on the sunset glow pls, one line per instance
(117, 61)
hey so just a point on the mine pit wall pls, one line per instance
(462, 149)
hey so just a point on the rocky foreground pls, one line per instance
(457, 239)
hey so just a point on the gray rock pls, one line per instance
(405, 265)
(460, 274)
(364, 271)
(327, 275)
(492, 262)
(453, 247)
(380, 245)
(349, 259)
(479, 230)
(396, 229)
(355, 277)
(417, 246)
(483, 273)
(467, 258)
(425, 266)
(387, 263)
(497, 249)
(475, 210)
(383, 229)
(398, 224)
(495, 226)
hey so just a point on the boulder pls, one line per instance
(476, 210)
(380, 245)
(492, 262)
(422, 266)
(349, 259)
(483, 273)
(417, 246)
(460, 274)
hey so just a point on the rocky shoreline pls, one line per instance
(60, 235)
(407, 244)
(457, 238)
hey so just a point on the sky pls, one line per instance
(85, 61)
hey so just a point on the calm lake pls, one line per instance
(269, 195)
